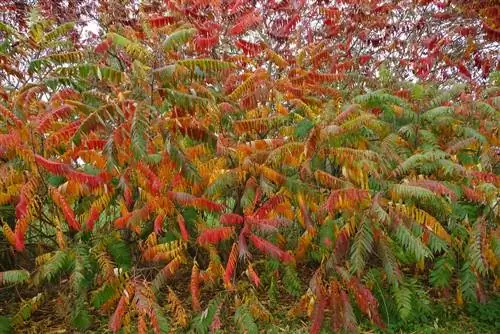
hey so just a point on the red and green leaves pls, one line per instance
(62, 169)
(47, 118)
(186, 199)
(232, 137)
(366, 301)
(115, 322)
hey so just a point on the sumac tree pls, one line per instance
(197, 153)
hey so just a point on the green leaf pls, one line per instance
(13, 276)
(418, 92)
(120, 252)
(403, 298)
(244, 321)
(188, 101)
(361, 247)
(178, 38)
(206, 65)
(443, 270)
(59, 31)
(163, 322)
(201, 323)
(467, 282)
(412, 244)
(101, 296)
(291, 281)
(81, 319)
(302, 129)
(5, 325)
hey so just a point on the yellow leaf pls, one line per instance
(460, 300)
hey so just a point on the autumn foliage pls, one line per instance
(195, 163)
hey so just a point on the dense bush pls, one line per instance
(146, 181)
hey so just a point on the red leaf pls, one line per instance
(68, 213)
(318, 314)
(473, 195)
(207, 28)
(115, 322)
(19, 235)
(442, 16)
(95, 144)
(127, 195)
(348, 314)
(103, 46)
(93, 181)
(282, 29)
(430, 42)
(205, 43)
(231, 219)
(161, 21)
(226, 108)
(153, 180)
(270, 224)
(436, 187)
(268, 248)
(195, 287)
(231, 265)
(463, 70)
(56, 168)
(93, 216)
(170, 269)
(268, 206)
(341, 246)
(245, 22)
(121, 223)
(366, 301)
(235, 6)
(205, 204)
(157, 225)
(65, 94)
(253, 276)
(22, 205)
(47, 118)
(487, 177)
(190, 200)
(364, 59)
(248, 48)
(9, 115)
(335, 304)
(63, 134)
(215, 235)
(182, 227)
